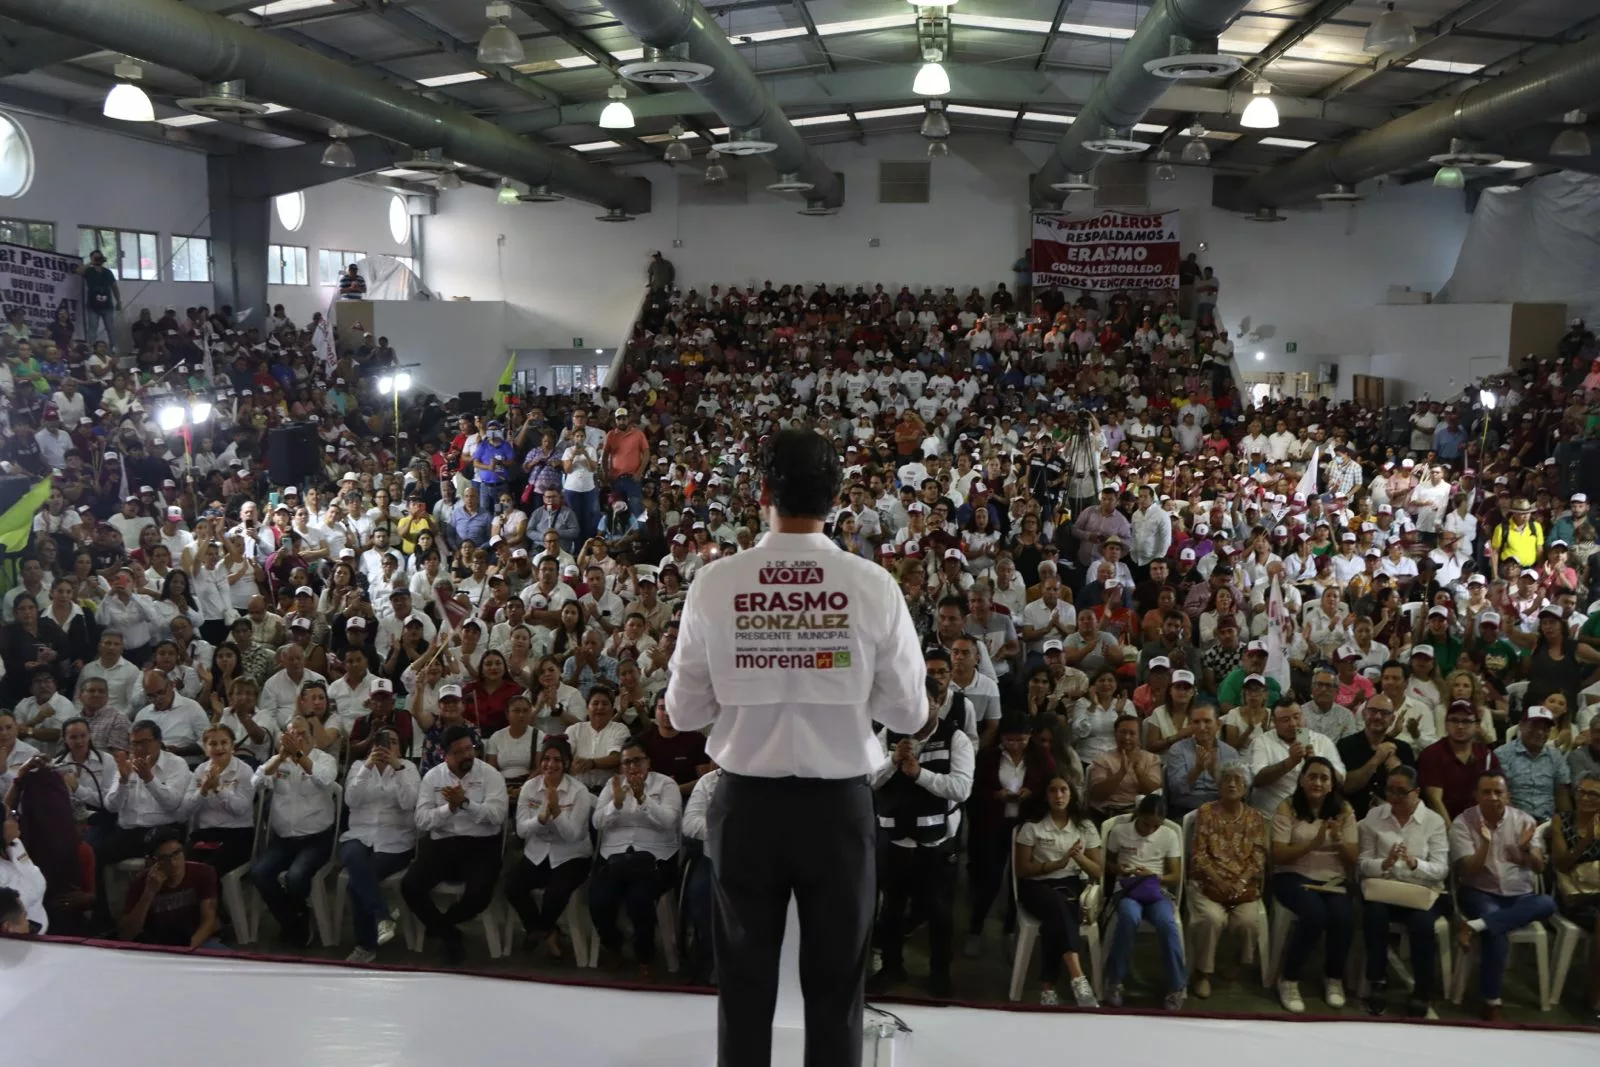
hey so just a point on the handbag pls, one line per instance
(1399, 894)
(1142, 889)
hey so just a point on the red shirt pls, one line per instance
(1438, 768)
(488, 709)
(174, 915)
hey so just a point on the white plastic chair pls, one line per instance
(450, 892)
(1400, 951)
(1533, 934)
(1146, 926)
(321, 895)
(1256, 946)
(245, 919)
(1028, 930)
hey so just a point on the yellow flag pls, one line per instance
(500, 394)
(17, 522)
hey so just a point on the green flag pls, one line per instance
(17, 523)
(501, 406)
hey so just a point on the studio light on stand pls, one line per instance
(393, 384)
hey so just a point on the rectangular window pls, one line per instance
(331, 262)
(191, 259)
(576, 378)
(41, 235)
(286, 265)
(130, 254)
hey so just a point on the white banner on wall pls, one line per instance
(38, 283)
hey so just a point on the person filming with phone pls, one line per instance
(1276, 757)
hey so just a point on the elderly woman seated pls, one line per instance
(1227, 868)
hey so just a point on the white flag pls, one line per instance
(1308, 480)
(1278, 622)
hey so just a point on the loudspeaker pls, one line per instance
(294, 455)
(469, 403)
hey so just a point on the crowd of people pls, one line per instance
(1214, 656)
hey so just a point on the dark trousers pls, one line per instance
(1054, 902)
(1418, 923)
(815, 839)
(1317, 915)
(1502, 915)
(222, 849)
(986, 869)
(298, 859)
(923, 878)
(628, 882)
(366, 868)
(558, 882)
(472, 861)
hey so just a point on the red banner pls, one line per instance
(1108, 250)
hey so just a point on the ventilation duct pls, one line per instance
(1128, 90)
(1548, 87)
(215, 49)
(732, 89)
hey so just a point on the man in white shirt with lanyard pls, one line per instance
(302, 779)
(789, 651)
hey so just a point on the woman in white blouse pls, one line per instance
(552, 818)
(1328, 622)
(89, 775)
(1460, 521)
(552, 696)
(510, 749)
(1094, 718)
(210, 583)
(597, 741)
(1055, 859)
(380, 793)
(220, 800)
(1429, 499)
(1169, 723)
(1223, 605)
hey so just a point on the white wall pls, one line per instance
(1439, 348)
(346, 215)
(1310, 280)
(89, 177)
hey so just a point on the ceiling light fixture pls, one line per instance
(447, 181)
(338, 153)
(126, 102)
(932, 80)
(715, 171)
(935, 124)
(1389, 32)
(1449, 177)
(500, 43)
(677, 151)
(938, 149)
(617, 114)
(1571, 141)
(1165, 172)
(507, 193)
(1261, 113)
(1196, 151)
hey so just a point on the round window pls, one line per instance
(291, 210)
(399, 220)
(16, 158)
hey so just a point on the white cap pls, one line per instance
(1539, 712)
(1052, 645)
(449, 691)
(1256, 646)
(1183, 677)
(954, 553)
(1256, 678)
(1489, 618)
(1187, 553)
(1159, 663)
(301, 623)
(381, 685)
(1348, 652)
(1580, 498)
(1422, 650)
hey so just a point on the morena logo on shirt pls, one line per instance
(791, 574)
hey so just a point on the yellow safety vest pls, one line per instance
(1521, 544)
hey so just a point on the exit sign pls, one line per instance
(577, 342)
(1290, 347)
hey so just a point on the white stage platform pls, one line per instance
(67, 1003)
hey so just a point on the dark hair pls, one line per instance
(1395, 663)
(800, 470)
(636, 741)
(1332, 805)
(452, 734)
(1014, 723)
(149, 726)
(11, 909)
(1151, 804)
(1410, 774)
(936, 653)
(560, 743)
(160, 835)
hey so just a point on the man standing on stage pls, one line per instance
(789, 652)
